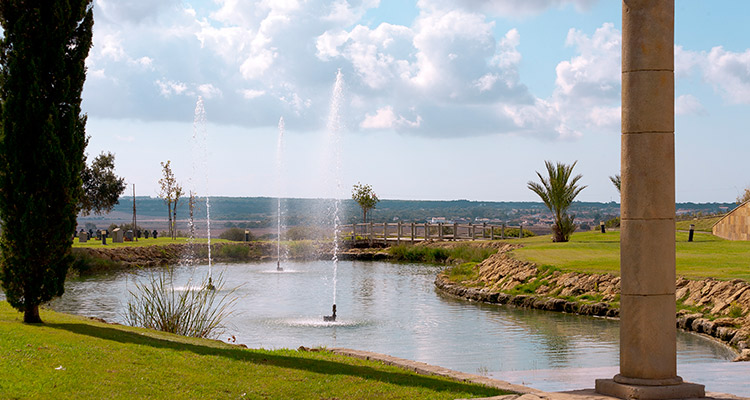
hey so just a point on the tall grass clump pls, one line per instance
(439, 255)
(472, 253)
(194, 311)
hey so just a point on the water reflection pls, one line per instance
(392, 309)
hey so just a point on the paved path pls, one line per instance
(524, 392)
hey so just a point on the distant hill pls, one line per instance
(259, 212)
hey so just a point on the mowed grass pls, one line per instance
(593, 252)
(70, 357)
(701, 224)
(142, 242)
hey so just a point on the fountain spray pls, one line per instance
(335, 125)
(279, 167)
(200, 136)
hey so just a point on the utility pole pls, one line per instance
(135, 227)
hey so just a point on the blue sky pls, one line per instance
(443, 99)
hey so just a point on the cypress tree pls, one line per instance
(42, 142)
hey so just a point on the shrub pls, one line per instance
(235, 235)
(513, 232)
(84, 263)
(236, 252)
(195, 311)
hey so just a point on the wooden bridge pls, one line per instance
(400, 232)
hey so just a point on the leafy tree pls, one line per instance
(744, 196)
(558, 191)
(616, 181)
(42, 142)
(365, 197)
(101, 187)
(170, 193)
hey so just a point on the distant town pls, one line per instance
(258, 214)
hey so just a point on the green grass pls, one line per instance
(439, 255)
(160, 241)
(701, 225)
(594, 252)
(70, 357)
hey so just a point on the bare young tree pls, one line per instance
(170, 192)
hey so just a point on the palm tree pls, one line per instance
(558, 194)
(617, 181)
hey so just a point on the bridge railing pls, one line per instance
(412, 232)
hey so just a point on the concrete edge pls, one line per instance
(427, 369)
(523, 392)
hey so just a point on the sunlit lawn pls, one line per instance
(70, 357)
(594, 252)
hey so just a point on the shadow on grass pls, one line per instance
(259, 357)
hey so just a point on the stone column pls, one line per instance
(648, 350)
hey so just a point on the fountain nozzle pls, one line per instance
(210, 285)
(330, 318)
(278, 266)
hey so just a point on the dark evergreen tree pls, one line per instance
(101, 187)
(42, 142)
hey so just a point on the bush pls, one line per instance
(305, 233)
(195, 311)
(513, 232)
(236, 252)
(84, 263)
(235, 235)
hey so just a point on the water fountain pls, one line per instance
(200, 138)
(335, 126)
(279, 168)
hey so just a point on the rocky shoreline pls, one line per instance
(501, 277)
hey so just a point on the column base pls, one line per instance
(683, 390)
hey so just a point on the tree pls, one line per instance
(170, 193)
(745, 196)
(42, 143)
(101, 187)
(616, 181)
(558, 191)
(365, 197)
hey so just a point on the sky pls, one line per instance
(439, 99)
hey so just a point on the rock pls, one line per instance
(744, 356)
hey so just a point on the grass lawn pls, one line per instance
(594, 252)
(701, 225)
(71, 357)
(160, 241)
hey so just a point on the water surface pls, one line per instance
(393, 309)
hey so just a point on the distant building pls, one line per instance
(735, 225)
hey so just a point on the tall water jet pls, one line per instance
(279, 170)
(335, 126)
(200, 137)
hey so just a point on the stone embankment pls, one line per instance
(503, 279)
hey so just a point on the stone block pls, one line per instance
(117, 235)
(647, 101)
(647, 264)
(648, 337)
(652, 48)
(83, 237)
(648, 176)
(684, 390)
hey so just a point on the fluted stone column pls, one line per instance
(648, 349)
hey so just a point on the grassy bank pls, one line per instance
(701, 224)
(439, 255)
(71, 357)
(593, 252)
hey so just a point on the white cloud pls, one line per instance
(168, 88)
(688, 104)
(726, 71)
(508, 8)
(209, 91)
(252, 94)
(385, 118)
